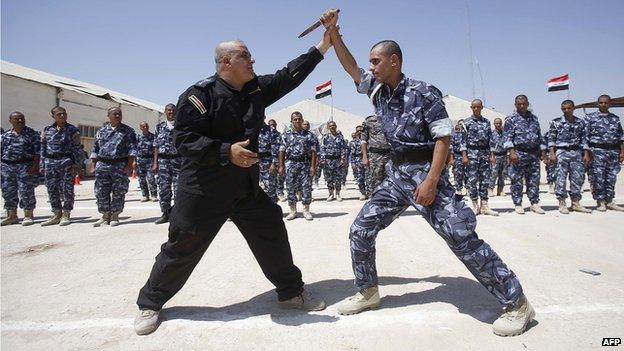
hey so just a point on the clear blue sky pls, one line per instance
(155, 49)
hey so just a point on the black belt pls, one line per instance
(299, 159)
(378, 151)
(112, 160)
(146, 156)
(569, 147)
(412, 156)
(168, 156)
(59, 156)
(264, 154)
(475, 147)
(332, 157)
(526, 149)
(615, 146)
(499, 153)
(17, 162)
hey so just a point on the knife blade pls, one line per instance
(312, 27)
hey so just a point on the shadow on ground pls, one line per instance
(467, 295)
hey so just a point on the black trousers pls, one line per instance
(196, 220)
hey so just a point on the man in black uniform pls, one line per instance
(217, 125)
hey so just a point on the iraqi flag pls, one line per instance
(559, 83)
(323, 90)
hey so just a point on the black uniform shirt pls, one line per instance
(211, 115)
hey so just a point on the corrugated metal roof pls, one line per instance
(34, 75)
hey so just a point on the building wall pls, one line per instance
(33, 99)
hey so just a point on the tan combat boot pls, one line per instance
(293, 212)
(486, 210)
(519, 209)
(331, 196)
(102, 221)
(55, 219)
(65, 218)
(11, 218)
(146, 322)
(576, 206)
(363, 197)
(475, 207)
(515, 319)
(612, 206)
(338, 197)
(304, 301)
(363, 300)
(306, 213)
(28, 218)
(551, 188)
(563, 208)
(114, 219)
(537, 209)
(491, 192)
(145, 199)
(602, 206)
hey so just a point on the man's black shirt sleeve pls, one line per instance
(275, 86)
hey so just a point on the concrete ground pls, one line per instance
(74, 287)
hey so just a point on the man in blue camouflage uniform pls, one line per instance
(345, 169)
(457, 160)
(333, 156)
(604, 138)
(567, 140)
(62, 159)
(317, 173)
(418, 129)
(550, 164)
(167, 162)
(498, 158)
(297, 159)
(522, 138)
(268, 155)
(112, 157)
(375, 152)
(359, 170)
(476, 148)
(19, 169)
(144, 161)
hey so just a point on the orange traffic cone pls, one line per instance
(77, 179)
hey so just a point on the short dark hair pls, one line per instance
(390, 47)
(521, 97)
(567, 102)
(170, 105)
(604, 96)
(296, 113)
(55, 108)
(108, 112)
(271, 120)
(15, 113)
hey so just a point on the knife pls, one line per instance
(312, 27)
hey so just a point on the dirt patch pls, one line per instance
(36, 249)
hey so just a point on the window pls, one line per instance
(88, 131)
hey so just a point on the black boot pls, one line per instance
(163, 219)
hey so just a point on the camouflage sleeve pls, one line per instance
(584, 135)
(155, 143)
(367, 82)
(464, 137)
(619, 133)
(76, 150)
(132, 143)
(313, 143)
(553, 134)
(96, 146)
(365, 133)
(435, 114)
(508, 134)
(35, 139)
(282, 147)
(43, 145)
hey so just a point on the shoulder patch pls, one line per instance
(205, 82)
(197, 103)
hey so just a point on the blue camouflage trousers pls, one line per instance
(111, 186)
(458, 172)
(499, 172)
(59, 181)
(527, 168)
(268, 180)
(551, 173)
(604, 170)
(333, 174)
(569, 165)
(359, 173)
(448, 216)
(18, 186)
(344, 171)
(280, 183)
(298, 178)
(147, 181)
(478, 172)
(168, 172)
(319, 171)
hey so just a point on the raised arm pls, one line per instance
(344, 56)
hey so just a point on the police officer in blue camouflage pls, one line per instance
(345, 169)
(604, 138)
(418, 129)
(268, 155)
(551, 165)
(62, 159)
(567, 141)
(144, 161)
(375, 152)
(167, 162)
(498, 158)
(359, 170)
(20, 166)
(476, 148)
(297, 159)
(457, 159)
(333, 156)
(113, 154)
(522, 138)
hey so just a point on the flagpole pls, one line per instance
(331, 118)
(569, 85)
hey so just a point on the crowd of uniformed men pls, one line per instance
(481, 159)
